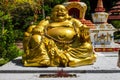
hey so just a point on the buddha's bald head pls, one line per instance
(59, 12)
(59, 7)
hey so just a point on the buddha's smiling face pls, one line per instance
(59, 13)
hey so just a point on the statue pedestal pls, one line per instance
(105, 68)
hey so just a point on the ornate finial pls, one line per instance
(100, 7)
(74, 0)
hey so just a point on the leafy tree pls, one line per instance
(8, 49)
(116, 24)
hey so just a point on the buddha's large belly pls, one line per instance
(61, 33)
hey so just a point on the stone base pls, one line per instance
(105, 68)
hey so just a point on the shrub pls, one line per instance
(8, 49)
(116, 24)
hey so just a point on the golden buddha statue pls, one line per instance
(58, 40)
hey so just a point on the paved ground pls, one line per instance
(105, 68)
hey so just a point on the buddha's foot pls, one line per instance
(82, 62)
(36, 63)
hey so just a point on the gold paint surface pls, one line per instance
(58, 41)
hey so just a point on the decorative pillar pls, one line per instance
(100, 7)
(102, 35)
(100, 16)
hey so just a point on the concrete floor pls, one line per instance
(105, 68)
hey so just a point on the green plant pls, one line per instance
(8, 49)
(3, 61)
(116, 24)
(18, 34)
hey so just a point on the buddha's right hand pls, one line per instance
(37, 31)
